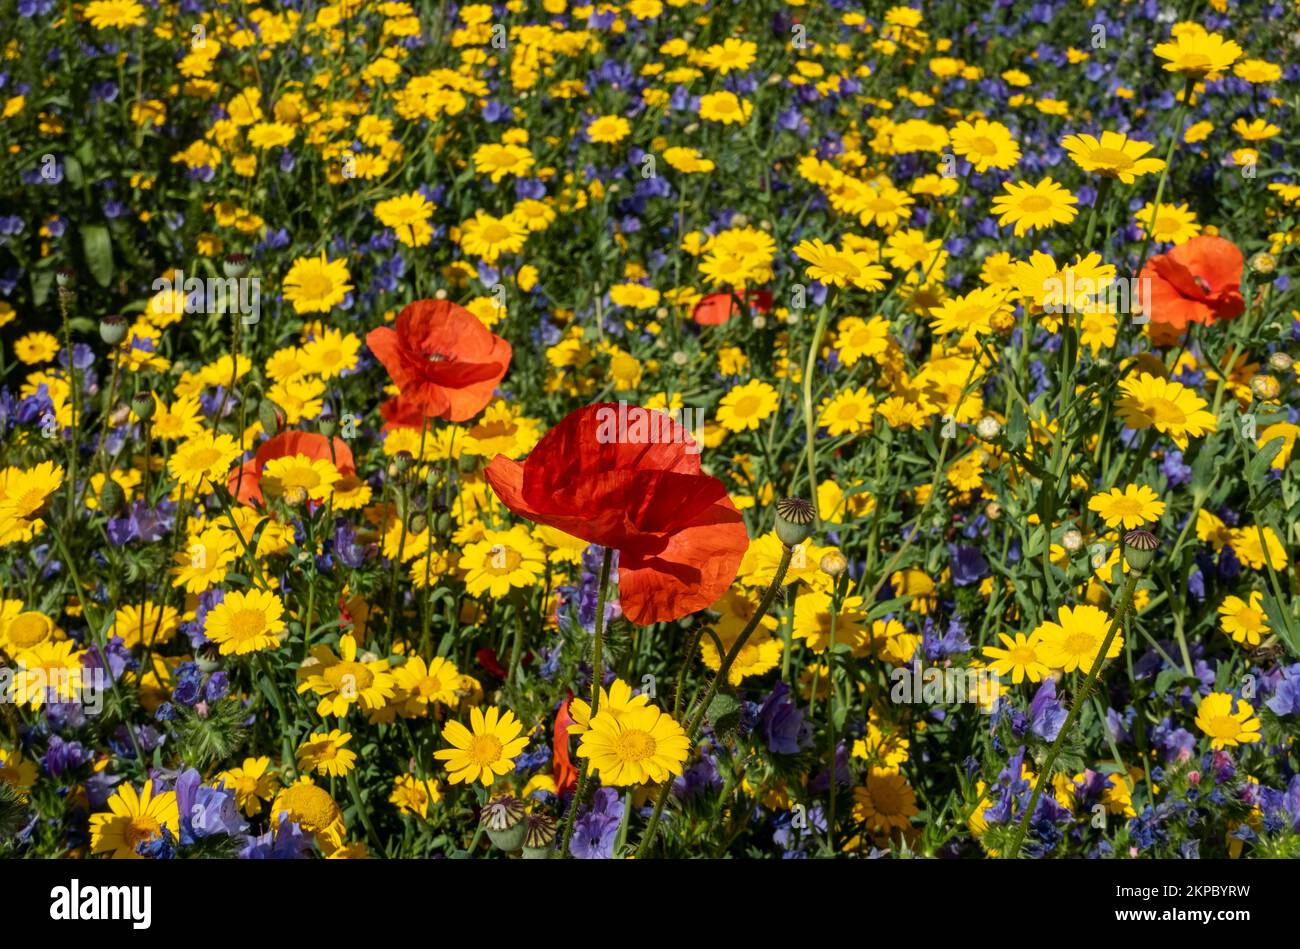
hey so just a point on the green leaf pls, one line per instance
(98, 247)
(1278, 622)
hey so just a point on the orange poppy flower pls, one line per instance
(1199, 281)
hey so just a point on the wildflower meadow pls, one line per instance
(649, 429)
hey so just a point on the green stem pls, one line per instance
(724, 669)
(1125, 600)
(596, 677)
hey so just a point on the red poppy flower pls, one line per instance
(245, 481)
(442, 358)
(635, 487)
(400, 412)
(1199, 281)
(563, 771)
(716, 308)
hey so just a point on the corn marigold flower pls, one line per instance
(1227, 727)
(484, 751)
(133, 819)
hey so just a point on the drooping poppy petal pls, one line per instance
(714, 309)
(629, 478)
(442, 358)
(563, 771)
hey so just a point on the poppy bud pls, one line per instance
(418, 524)
(111, 497)
(467, 464)
(724, 714)
(442, 523)
(1140, 549)
(271, 416)
(794, 519)
(142, 404)
(540, 836)
(504, 821)
(112, 329)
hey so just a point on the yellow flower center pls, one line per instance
(316, 285)
(204, 458)
(484, 750)
(349, 678)
(495, 233)
(1111, 158)
(247, 624)
(634, 745)
(1035, 204)
(1080, 644)
(1222, 726)
(142, 829)
(1164, 412)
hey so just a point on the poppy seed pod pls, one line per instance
(142, 404)
(794, 520)
(539, 837)
(112, 329)
(1140, 549)
(328, 427)
(503, 819)
(235, 265)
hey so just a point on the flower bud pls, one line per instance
(111, 497)
(1263, 264)
(1071, 540)
(1265, 387)
(112, 329)
(142, 404)
(504, 821)
(1280, 362)
(1140, 549)
(794, 520)
(65, 277)
(402, 461)
(834, 564)
(988, 428)
(271, 416)
(328, 427)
